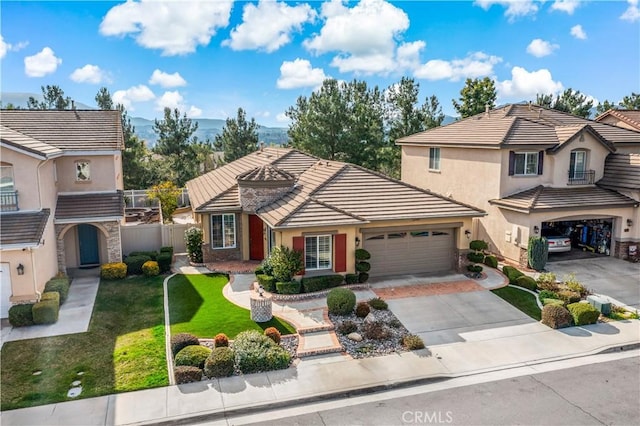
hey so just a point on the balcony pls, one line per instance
(9, 201)
(586, 177)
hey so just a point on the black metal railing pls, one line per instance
(8, 201)
(586, 177)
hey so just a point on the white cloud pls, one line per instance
(408, 55)
(525, 84)
(268, 26)
(8, 47)
(194, 112)
(540, 48)
(139, 93)
(578, 32)
(632, 14)
(515, 8)
(475, 65)
(90, 74)
(42, 63)
(364, 36)
(568, 6)
(299, 73)
(170, 99)
(282, 118)
(167, 80)
(174, 27)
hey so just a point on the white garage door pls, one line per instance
(410, 252)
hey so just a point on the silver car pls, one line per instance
(557, 242)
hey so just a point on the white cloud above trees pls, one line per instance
(166, 80)
(526, 85)
(474, 65)
(299, 73)
(89, 73)
(632, 14)
(578, 32)
(134, 94)
(541, 48)
(42, 63)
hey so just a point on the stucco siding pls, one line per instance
(103, 174)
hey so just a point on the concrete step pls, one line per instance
(315, 329)
(317, 343)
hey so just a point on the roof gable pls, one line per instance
(629, 116)
(20, 142)
(23, 228)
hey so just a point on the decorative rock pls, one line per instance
(76, 383)
(80, 373)
(74, 392)
(369, 318)
(37, 373)
(356, 337)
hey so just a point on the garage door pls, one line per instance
(410, 252)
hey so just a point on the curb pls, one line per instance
(349, 393)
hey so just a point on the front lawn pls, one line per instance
(522, 300)
(123, 350)
(197, 306)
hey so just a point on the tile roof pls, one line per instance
(21, 141)
(629, 116)
(518, 124)
(69, 130)
(543, 198)
(621, 172)
(22, 228)
(82, 206)
(265, 173)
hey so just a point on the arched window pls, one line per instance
(6, 178)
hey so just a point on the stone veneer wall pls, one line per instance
(254, 197)
(212, 255)
(621, 249)
(114, 244)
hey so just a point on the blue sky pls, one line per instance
(210, 57)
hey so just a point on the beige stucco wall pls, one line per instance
(40, 265)
(34, 180)
(106, 173)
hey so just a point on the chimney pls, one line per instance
(73, 104)
(529, 105)
(261, 146)
(486, 110)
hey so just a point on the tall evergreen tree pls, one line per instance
(631, 102)
(475, 96)
(239, 137)
(569, 101)
(103, 99)
(176, 144)
(53, 98)
(605, 106)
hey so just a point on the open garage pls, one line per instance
(587, 236)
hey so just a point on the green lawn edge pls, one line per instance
(524, 301)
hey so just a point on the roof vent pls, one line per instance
(540, 113)
(261, 146)
(486, 110)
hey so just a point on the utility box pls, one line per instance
(600, 304)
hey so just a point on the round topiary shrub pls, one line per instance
(475, 257)
(182, 340)
(220, 363)
(362, 254)
(187, 374)
(273, 334)
(256, 352)
(21, 315)
(378, 304)
(478, 245)
(363, 266)
(363, 277)
(341, 301)
(347, 327)
(412, 342)
(583, 313)
(362, 309)
(476, 269)
(221, 340)
(491, 261)
(193, 356)
(351, 278)
(527, 282)
(556, 316)
(150, 268)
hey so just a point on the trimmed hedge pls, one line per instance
(556, 316)
(512, 273)
(256, 352)
(475, 257)
(363, 266)
(182, 340)
(549, 301)
(134, 264)
(193, 356)
(291, 287)
(474, 268)
(546, 294)
(527, 282)
(186, 374)
(583, 313)
(320, 283)
(478, 245)
(21, 315)
(59, 285)
(47, 309)
(362, 254)
(164, 262)
(152, 254)
(220, 363)
(351, 278)
(113, 271)
(363, 277)
(341, 301)
(267, 282)
(491, 261)
(569, 296)
(167, 249)
(150, 268)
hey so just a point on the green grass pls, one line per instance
(197, 306)
(123, 350)
(522, 300)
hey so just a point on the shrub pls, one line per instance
(537, 252)
(150, 268)
(378, 304)
(552, 302)
(547, 281)
(478, 245)
(527, 282)
(221, 340)
(21, 315)
(266, 267)
(363, 266)
(363, 277)
(362, 309)
(569, 296)
(46, 310)
(267, 282)
(259, 270)
(289, 287)
(412, 342)
(362, 254)
(220, 363)
(395, 323)
(187, 374)
(583, 313)
(347, 327)
(60, 285)
(511, 273)
(113, 271)
(475, 257)
(556, 316)
(164, 262)
(285, 263)
(376, 331)
(152, 254)
(134, 264)
(273, 334)
(193, 238)
(351, 278)
(491, 261)
(341, 301)
(320, 283)
(474, 268)
(182, 340)
(167, 249)
(546, 294)
(256, 352)
(193, 356)
(573, 284)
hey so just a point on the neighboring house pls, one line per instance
(326, 209)
(60, 196)
(627, 118)
(531, 168)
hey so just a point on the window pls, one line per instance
(83, 171)
(420, 234)
(525, 163)
(271, 240)
(578, 165)
(6, 178)
(317, 252)
(434, 158)
(223, 231)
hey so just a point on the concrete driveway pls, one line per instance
(612, 277)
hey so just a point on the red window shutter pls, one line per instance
(340, 242)
(298, 245)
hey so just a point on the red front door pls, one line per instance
(256, 238)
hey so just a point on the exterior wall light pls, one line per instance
(467, 233)
(629, 222)
(536, 229)
(357, 241)
(20, 269)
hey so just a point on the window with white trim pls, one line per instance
(317, 252)
(525, 163)
(6, 178)
(434, 158)
(223, 231)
